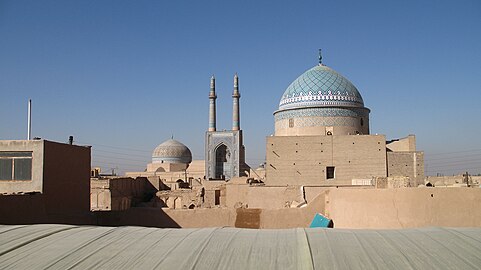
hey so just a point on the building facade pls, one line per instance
(224, 150)
(44, 182)
(322, 137)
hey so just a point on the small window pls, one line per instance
(291, 122)
(362, 122)
(330, 172)
(15, 165)
(6, 169)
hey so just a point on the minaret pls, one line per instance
(235, 105)
(212, 98)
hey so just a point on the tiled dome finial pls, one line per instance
(320, 57)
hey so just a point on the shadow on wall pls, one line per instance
(147, 217)
(32, 209)
(248, 218)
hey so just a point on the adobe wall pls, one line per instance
(65, 196)
(293, 217)
(347, 207)
(302, 160)
(166, 218)
(263, 197)
(66, 177)
(407, 144)
(120, 193)
(455, 180)
(404, 207)
(32, 209)
(198, 218)
(100, 195)
(409, 164)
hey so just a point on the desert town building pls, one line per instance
(44, 182)
(322, 137)
(323, 145)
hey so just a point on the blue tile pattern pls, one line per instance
(322, 112)
(320, 86)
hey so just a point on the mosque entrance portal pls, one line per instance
(222, 162)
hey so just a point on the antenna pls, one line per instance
(29, 121)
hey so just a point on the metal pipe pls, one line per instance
(29, 127)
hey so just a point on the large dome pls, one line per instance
(320, 86)
(321, 102)
(171, 151)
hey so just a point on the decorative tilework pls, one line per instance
(322, 112)
(320, 86)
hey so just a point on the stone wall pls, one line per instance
(120, 193)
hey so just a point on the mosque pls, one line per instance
(321, 138)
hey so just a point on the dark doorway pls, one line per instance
(220, 160)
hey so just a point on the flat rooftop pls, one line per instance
(91, 247)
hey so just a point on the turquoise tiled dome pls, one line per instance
(320, 86)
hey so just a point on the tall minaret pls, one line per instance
(235, 105)
(212, 98)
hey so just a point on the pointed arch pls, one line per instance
(222, 161)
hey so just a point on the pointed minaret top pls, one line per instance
(212, 83)
(235, 104)
(320, 57)
(236, 80)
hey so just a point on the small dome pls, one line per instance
(171, 151)
(320, 86)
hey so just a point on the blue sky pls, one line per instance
(124, 76)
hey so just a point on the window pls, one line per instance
(291, 122)
(330, 172)
(362, 122)
(15, 165)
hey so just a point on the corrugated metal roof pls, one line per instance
(88, 247)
